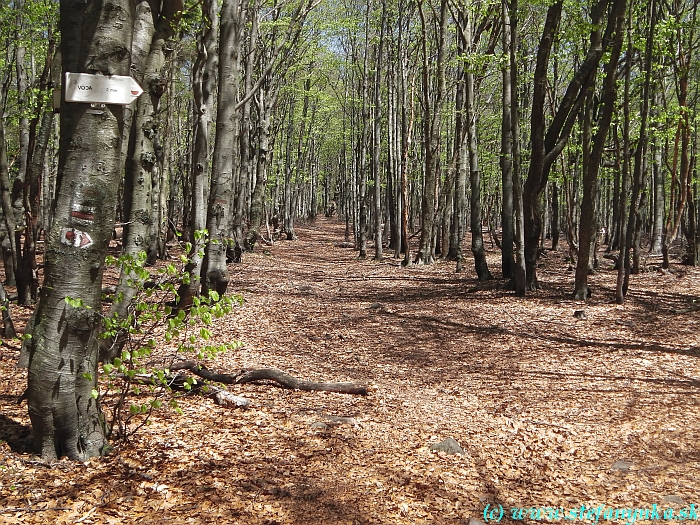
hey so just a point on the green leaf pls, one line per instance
(94, 393)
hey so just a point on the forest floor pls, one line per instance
(552, 411)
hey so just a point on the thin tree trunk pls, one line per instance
(507, 224)
(376, 145)
(520, 274)
(638, 175)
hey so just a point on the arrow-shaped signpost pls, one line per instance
(100, 89)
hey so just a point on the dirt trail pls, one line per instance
(551, 411)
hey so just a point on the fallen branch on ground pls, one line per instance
(269, 374)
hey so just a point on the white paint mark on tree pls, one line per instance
(76, 238)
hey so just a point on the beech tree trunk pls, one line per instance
(220, 209)
(152, 28)
(547, 142)
(592, 167)
(432, 106)
(62, 353)
(506, 161)
(203, 88)
(482, 269)
(520, 273)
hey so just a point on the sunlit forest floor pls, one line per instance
(550, 410)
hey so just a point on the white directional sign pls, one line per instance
(99, 89)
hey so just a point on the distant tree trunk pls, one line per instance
(507, 223)
(22, 78)
(7, 210)
(555, 216)
(40, 129)
(65, 415)
(244, 139)
(519, 277)
(406, 140)
(8, 329)
(592, 166)
(639, 155)
(257, 203)
(432, 108)
(547, 142)
(658, 187)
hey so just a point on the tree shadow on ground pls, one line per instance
(16, 435)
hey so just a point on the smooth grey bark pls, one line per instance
(153, 25)
(224, 165)
(482, 270)
(432, 109)
(506, 161)
(62, 354)
(203, 88)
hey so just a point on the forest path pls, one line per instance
(551, 411)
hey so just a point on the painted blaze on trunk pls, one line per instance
(62, 353)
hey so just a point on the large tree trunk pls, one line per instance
(62, 353)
